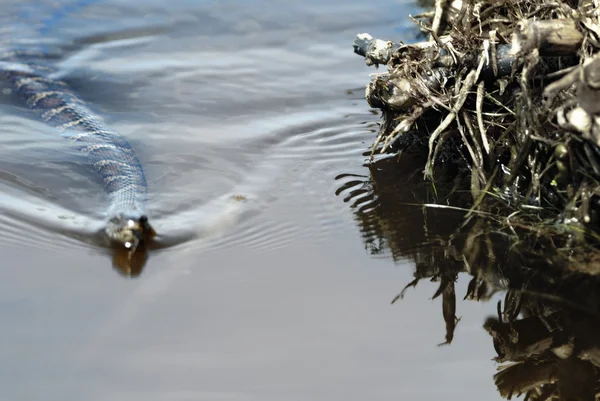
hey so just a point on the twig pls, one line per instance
(437, 18)
(479, 108)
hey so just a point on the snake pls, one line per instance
(28, 72)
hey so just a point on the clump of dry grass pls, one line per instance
(510, 92)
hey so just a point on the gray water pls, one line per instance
(277, 298)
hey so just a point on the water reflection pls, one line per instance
(545, 331)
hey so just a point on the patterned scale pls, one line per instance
(108, 153)
(27, 68)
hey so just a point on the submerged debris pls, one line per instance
(507, 92)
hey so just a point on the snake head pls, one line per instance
(129, 231)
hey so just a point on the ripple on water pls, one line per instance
(28, 221)
(245, 114)
(44, 188)
(287, 171)
(294, 180)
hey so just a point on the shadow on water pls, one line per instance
(545, 331)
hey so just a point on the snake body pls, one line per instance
(29, 74)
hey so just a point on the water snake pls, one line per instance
(28, 70)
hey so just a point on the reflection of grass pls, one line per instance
(551, 308)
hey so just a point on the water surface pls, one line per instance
(278, 297)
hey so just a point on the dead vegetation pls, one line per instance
(493, 122)
(509, 92)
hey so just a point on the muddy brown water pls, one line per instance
(280, 297)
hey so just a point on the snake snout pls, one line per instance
(129, 232)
